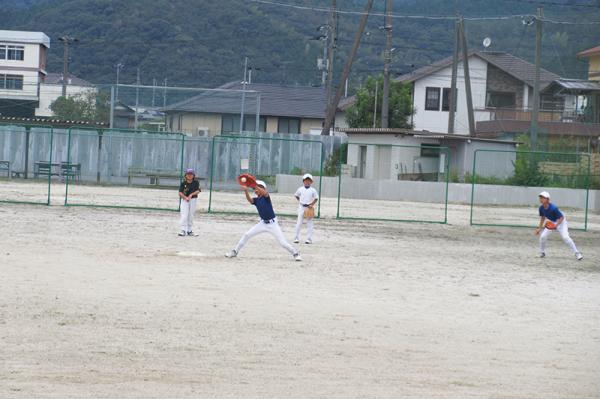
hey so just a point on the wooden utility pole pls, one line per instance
(385, 104)
(453, 93)
(536, 84)
(465, 51)
(332, 106)
(66, 41)
(332, 46)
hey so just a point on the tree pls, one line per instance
(360, 114)
(88, 106)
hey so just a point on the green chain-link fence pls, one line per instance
(394, 183)
(506, 184)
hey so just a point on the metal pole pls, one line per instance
(536, 83)
(453, 93)
(332, 46)
(137, 99)
(243, 95)
(385, 109)
(153, 90)
(112, 106)
(332, 106)
(375, 111)
(257, 124)
(465, 51)
(324, 68)
(165, 103)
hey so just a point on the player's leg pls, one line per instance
(184, 212)
(310, 226)
(257, 229)
(563, 230)
(275, 231)
(190, 219)
(543, 240)
(299, 224)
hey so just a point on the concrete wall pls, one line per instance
(50, 92)
(435, 192)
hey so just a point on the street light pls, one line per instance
(119, 66)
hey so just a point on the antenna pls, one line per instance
(487, 42)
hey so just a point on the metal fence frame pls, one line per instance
(258, 139)
(28, 131)
(445, 150)
(517, 152)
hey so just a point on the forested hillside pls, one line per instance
(203, 42)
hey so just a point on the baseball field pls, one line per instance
(110, 303)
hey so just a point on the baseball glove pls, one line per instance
(309, 213)
(550, 225)
(246, 180)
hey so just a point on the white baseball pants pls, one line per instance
(309, 225)
(271, 228)
(187, 214)
(563, 230)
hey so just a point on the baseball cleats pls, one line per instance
(542, 254)
(296, 240)
(297, 258)
(192, 234)
(182, 233)
(578, 256)
(308, 242)
(231, 254)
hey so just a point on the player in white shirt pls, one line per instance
(307, 197)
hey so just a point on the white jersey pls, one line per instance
(306, 195)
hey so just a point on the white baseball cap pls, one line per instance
(544, 194)
(307, 176)
(261, 183)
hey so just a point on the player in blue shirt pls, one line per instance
(268, 222)
(551, 218)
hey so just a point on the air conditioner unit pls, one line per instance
(203, 131)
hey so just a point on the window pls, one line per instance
(11, 82)
(16, 53)
(446, 99)
(499, 99)
(250, 123)
(288, 125)
(432, 99)
(2, 51)
(231, 123)
(430, 150)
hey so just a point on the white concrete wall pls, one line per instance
(50, 92)
(437, 121)
(435, 192)
(29, 68)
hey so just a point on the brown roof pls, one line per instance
(514, 66)
(493, 128)
(589, 52)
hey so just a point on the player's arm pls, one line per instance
(560, 220)
(261, 191)
(182, 195)
(541, 225)
(315, 200)
(248, 196)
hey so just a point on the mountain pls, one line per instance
(203, 42)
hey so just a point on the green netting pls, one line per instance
(123, 169)
(26, 164)
(394, 183)
(506, 184)
(265, 158)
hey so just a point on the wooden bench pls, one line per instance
(153, 174)
(5, 167)
(45, 169)
(70, 170)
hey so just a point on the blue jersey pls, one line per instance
(552, 213)
(264, 207)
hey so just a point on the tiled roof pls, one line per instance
(275, 100)
(588, 52)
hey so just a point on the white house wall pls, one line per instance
(437, 121)
(29, 68)
(50, 92)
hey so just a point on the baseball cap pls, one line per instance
(307, 176)
(544, 194)
(188, 171)
(261, 183)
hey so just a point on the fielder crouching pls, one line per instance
(551, 218)
(267, 224)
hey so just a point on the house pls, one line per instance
(283, 109)
(50, 88)
(593, 57)
(403, 154)
(22, 68)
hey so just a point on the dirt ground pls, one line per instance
(110, 303)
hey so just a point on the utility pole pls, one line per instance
(66, 41)
(165, 102)
(536, 84)
(332, 46)
(244, 82)
(137, 99)
(453, 93)
(119, 66)
(333, 104)
(375, 107)
(153, 90)
(385, 108)
(465, 51)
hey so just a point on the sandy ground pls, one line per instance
(110, 303)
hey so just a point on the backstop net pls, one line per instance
(279, 162)
(26, 164)
(123, 169)
(394, 183)
(506, 184)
